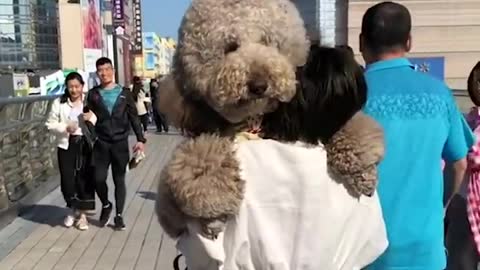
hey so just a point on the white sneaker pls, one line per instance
(82, 223)
(69, 221)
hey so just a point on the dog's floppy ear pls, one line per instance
(170, 101)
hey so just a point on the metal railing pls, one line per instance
(27, 149)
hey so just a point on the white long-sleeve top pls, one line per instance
(141, 99)
(293, 217)
(59, 117)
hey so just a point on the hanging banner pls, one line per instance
(92, 33)
(137, 44)
(118, 13)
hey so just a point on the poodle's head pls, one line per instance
(240, 56)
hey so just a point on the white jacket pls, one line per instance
(141, 108)
(293, 217)
(58, 119)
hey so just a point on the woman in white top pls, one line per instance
(63, 121)
(140, 100)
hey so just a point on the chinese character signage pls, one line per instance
(137, 18)
(118, 13)
(434, 66)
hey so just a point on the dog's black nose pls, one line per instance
(257, 87)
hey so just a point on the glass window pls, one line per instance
(149, 43)
(28, 31)
(150, 61)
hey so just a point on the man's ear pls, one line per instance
(170, 101)
(408, 46)
(361, 43)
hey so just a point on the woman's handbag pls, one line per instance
(88, 130)
(84, 177)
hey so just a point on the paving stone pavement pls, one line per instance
(38, 241)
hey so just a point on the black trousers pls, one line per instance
(117, 155)
(145, 121)
(76, 178)
(160, 120)
(462, 251)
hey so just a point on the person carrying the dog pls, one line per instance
(115, 110)
(159, 117)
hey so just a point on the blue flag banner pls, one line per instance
(434, 66)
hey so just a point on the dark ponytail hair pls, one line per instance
(137, 87)
(330, 90)
(474, 85)
(71, 76)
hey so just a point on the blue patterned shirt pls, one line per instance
(422, 125)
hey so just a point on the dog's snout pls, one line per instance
(257, 87)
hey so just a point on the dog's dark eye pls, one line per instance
(231, 47)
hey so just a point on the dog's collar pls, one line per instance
(246, 136)
(251, 129)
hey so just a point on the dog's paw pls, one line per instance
(354, 152)
(204, 178)
(172, 220)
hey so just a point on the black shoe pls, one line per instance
(119, 224)
(105, 215)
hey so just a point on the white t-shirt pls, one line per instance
(75, 112)
(293, 217)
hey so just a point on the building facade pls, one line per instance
(71, 43)
(445, 35)
(150, 60)
(157, 56)
(167, 49)
(28, 35)
(325, 20)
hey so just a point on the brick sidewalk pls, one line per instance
(39, 241)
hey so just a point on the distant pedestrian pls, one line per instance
(140, 101)
(422, 125)
(159, 118)
(116, 110)
(74, 154)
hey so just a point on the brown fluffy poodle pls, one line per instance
(236, 59)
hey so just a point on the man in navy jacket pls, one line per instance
(115, 110)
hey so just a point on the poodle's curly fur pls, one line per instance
(240, 55)
(227, 50)
(202, 181)
(170, 101)
(191, 171)
(354, 152)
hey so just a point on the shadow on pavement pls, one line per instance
(44, 214)
(148, 195)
